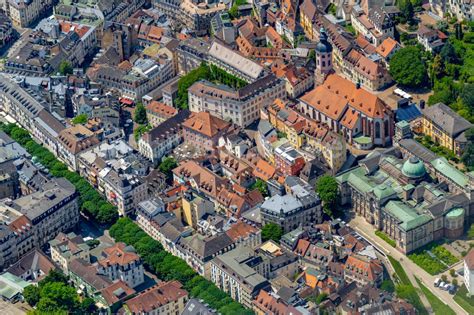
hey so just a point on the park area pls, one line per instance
(464, 301)
(433, 258)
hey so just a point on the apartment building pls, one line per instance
(363, 270)
(167, 298)
(125, 191)
(288, 161)
(67, 247)
(25, 12)
(375, 24)
(30, 113)
(157, 112)
(242, 106)
(233, 273)
(203, 130)
(121, 262)
(143, 77)
(445, 127)
(159, 141)
(290, 211)
(32, 220)
(6, 30)
(72, 141)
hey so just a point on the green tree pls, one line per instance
(140, 114)
(328, 191)
(272, 231)
(167, 166)
(437, 67)
(467, 96)
(80, 119)
(234, 11)
(53, 276)
(261, 186)
(321, 297)
(65, 68)
(468, 157)
(387, 285)
(58, 295)
(448, 53)
(407, 67)
(470, 232)
(31, 294)
(88, 306)
(406, 9)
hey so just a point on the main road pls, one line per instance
(412, 270)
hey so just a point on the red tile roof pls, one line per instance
(241, 230)
(161, 109)
(156, 297)
(337, 93)
(118, 254)
(206, 124)
(264, 170)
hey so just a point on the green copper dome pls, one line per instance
(413, 168)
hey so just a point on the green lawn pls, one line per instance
(405, 289)
(439, 308)
(465, 302)
(386, 238)
(401, 274)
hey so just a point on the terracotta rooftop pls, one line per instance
(119, 254)
(116, 292)
(387, 46)
(336, 94)
(369, 268)
(241, 230)
(264, 170)
(156, 297)
(206, 124)
(161, 109)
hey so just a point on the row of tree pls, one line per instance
(54, 295)
(91, 202)
(205, 72)
(168, 267)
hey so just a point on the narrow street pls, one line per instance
(412, 270)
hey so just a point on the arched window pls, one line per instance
(377, 130)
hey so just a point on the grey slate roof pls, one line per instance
(283, 204)
(446, 119)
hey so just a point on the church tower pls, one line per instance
(323, 52)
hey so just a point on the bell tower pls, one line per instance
(323, 52)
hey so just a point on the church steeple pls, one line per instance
(323, 52)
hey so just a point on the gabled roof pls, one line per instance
(264, 170)
(446, 119)
(206, 124)
(336, 93)
(387, 46)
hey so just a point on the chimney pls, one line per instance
(422, 104)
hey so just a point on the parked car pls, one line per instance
(446, 286)
(437, 281)
(452, 289)
(441, 285)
